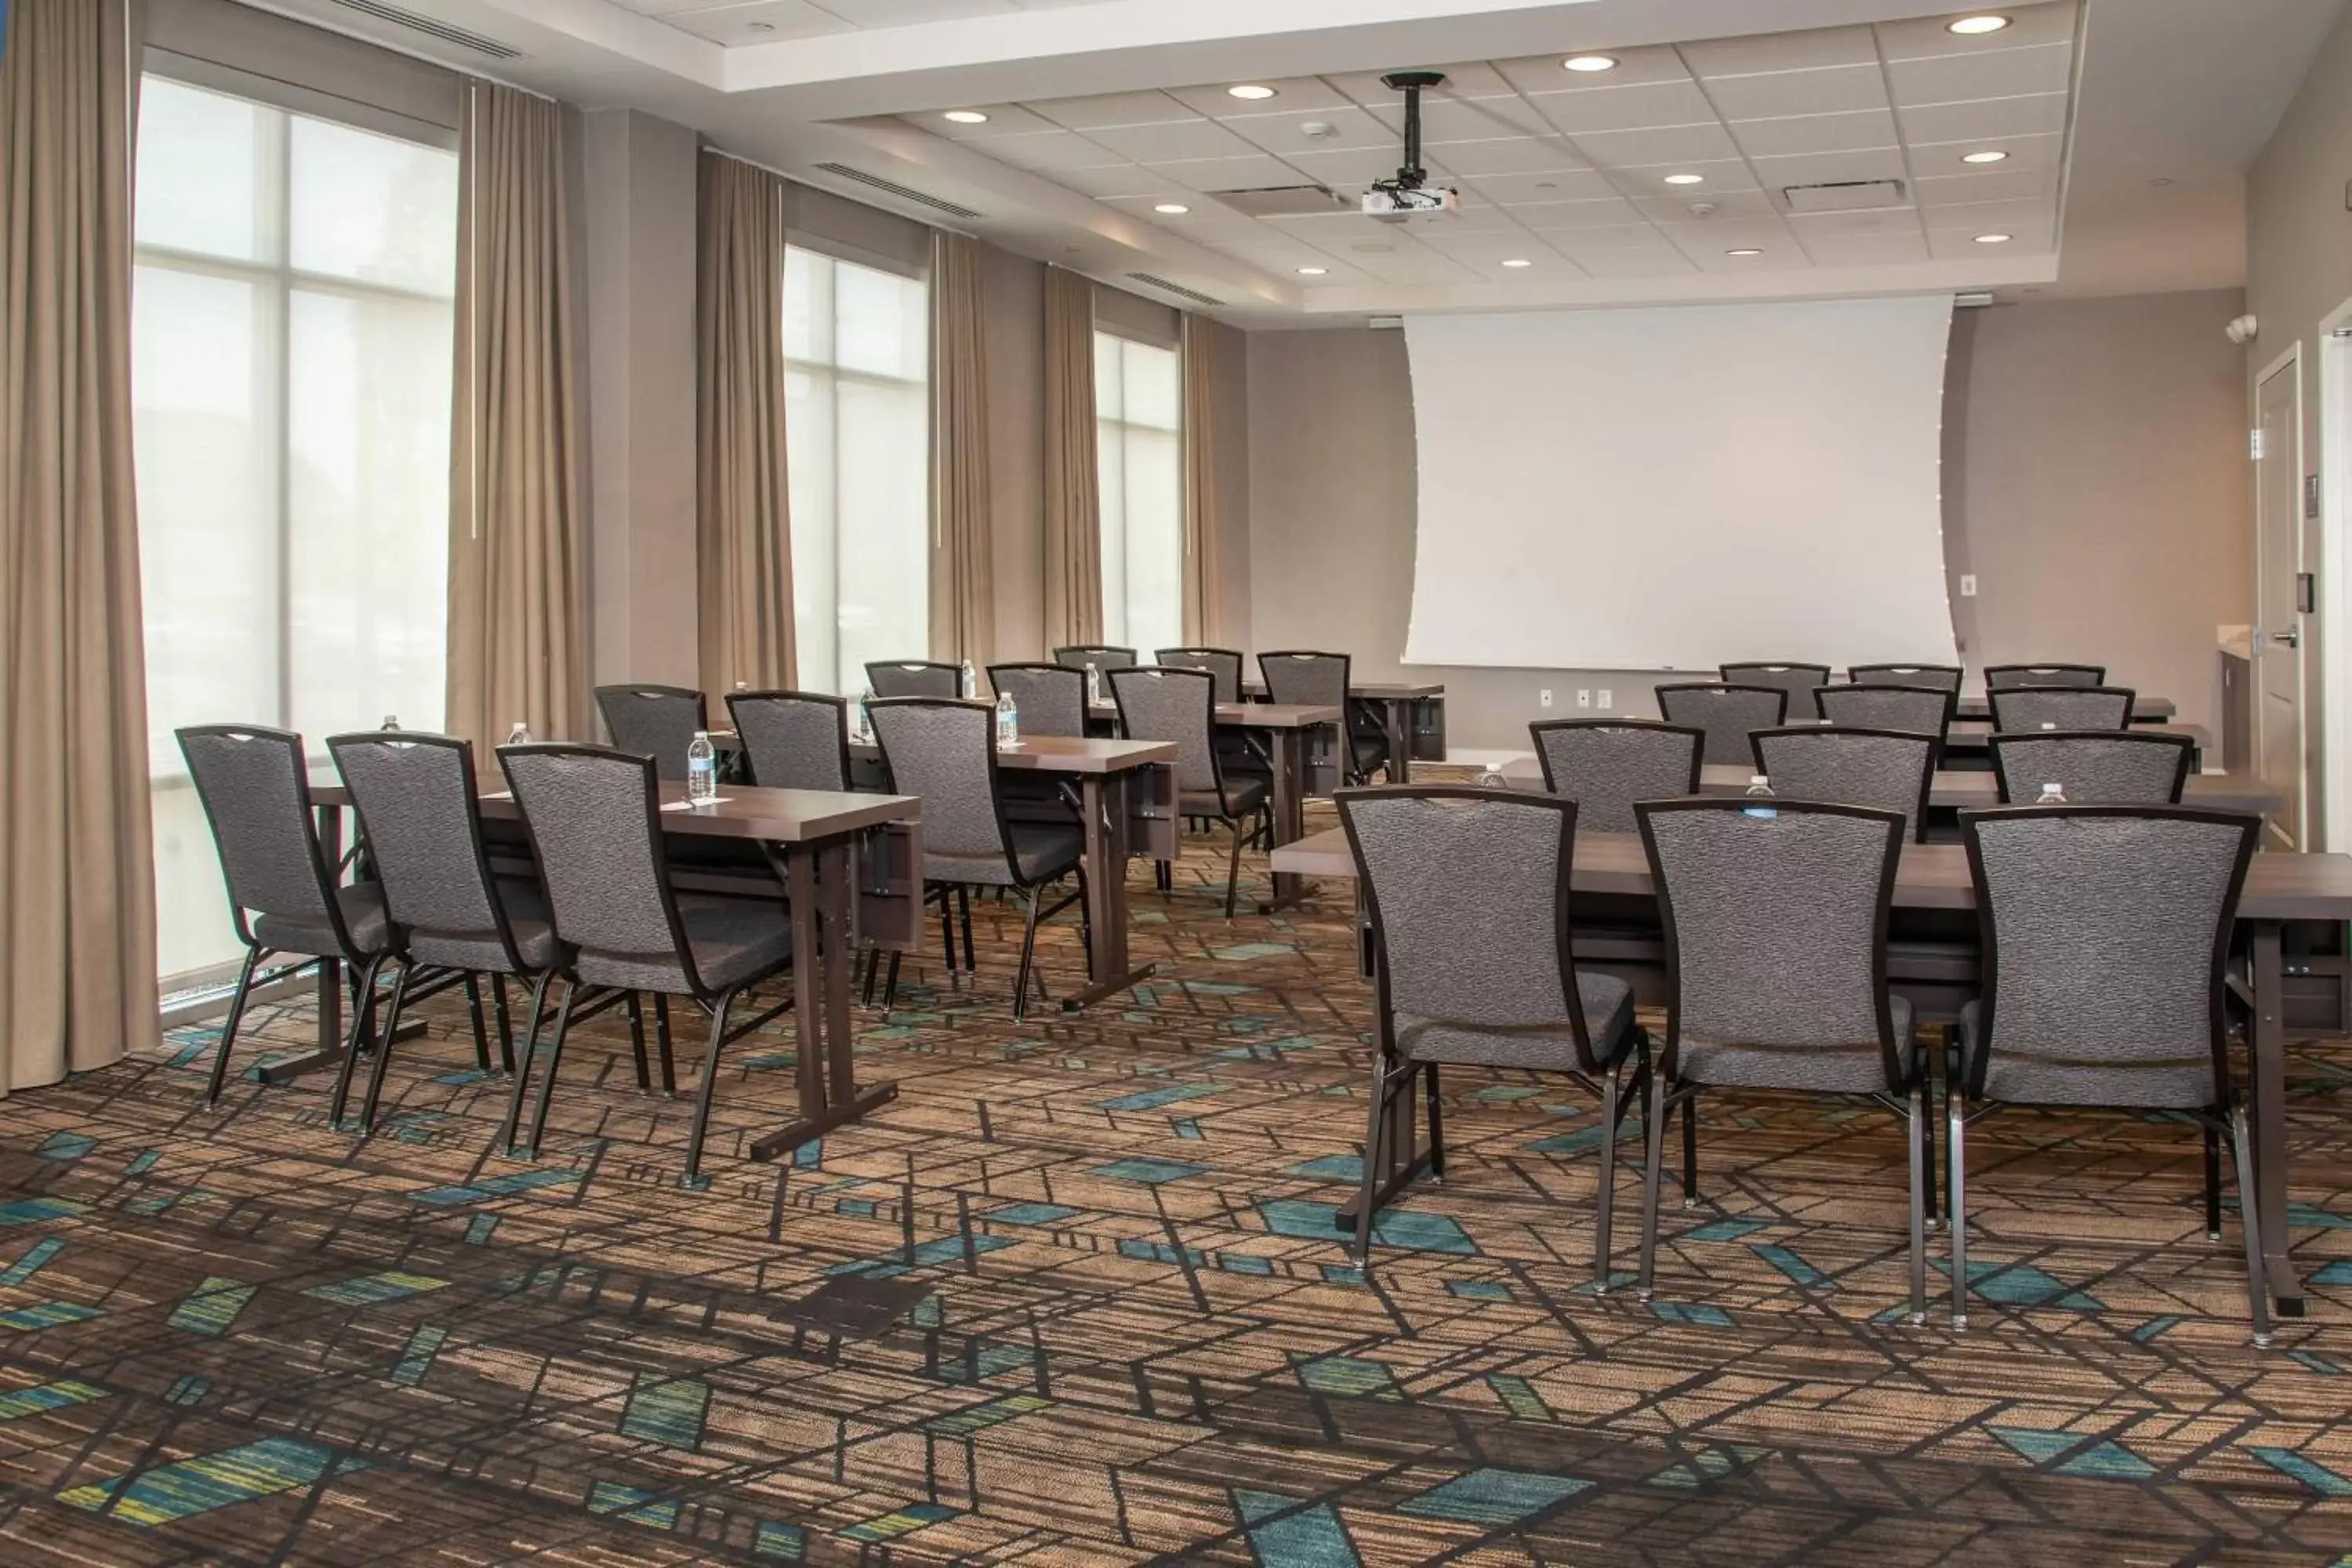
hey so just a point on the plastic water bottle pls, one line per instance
(1008, 722)
(970, 681)
(1759, 787)
(1759, 784)
(1491, 777)
(392, 720)
(863, 730)
(2052, 795)
(2049, 724)
(520, 735)
(1094, 686)
(701, 770)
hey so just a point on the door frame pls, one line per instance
(2262, 634)
(2334, 342)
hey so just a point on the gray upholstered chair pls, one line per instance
(2094, 767)
(1222, 662)
(792, 740)
(1891, 770)
(1922, 710)
(1178, 705)
(1727, 714)
(1052, 696)
(945, 752)
(2106, 934)
(1775, 918)
(1308, 679)
(1797, 679)
(2002, 677)
(452, 922)
(914, 677)
(2017, 709)
(595, 820)
(284, 897)
(1606, 765)
(656, 721)
(1468, 893)
(1943, 677)
(1102, 655)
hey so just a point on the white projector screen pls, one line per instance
(1677, 488)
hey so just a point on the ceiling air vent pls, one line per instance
(432, 28)
(1845, 196)
(1284, 201)
(937, 204)
(1165, 287)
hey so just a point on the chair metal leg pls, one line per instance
(872, 966)
(1376, 1161)
(1922, 1160)
(383, 1052)
(474, 1013)
(2212, 1184)
(1028, 958)
(1956, 1119)
(505, 1021)
(890, 990)
(1603, 1211)
(1163, 876)
(1654, 1133)
(661, 1045)
(703, 1096)
(637, 1042)
(1436, 1126)
(1233, 871)
(554, 1063)
(539, 989)
(2258, 1295)
(341, 1095)
(947, 931)
(963, 919)
(1086, 920)
(1926, 1134)
(229, 1026)
(1690, 1151)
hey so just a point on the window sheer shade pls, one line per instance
(1139, 407)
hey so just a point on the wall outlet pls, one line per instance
(1544, 697)
(1606, 697)
(1583, 697)
(1968, 585)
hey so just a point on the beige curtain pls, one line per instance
(1202, 571)
(743, 520)
(964, 594)
(77, 873)
(1072, 494)
(518, 509)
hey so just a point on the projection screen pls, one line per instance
(1673, 488)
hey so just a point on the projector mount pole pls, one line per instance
(1410, 84)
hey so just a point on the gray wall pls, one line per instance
(2101, 493)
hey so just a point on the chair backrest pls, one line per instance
(2001, 676)
(595, 820)
(1606, 765)
(256, 789)
(1175, 704)
(2093, 767)
(1891, 770)
(656, 721)
(417, 803)
(1797, 679)
(944, 750)
(1727, 714)
(1305, 680)
(914, 677)
(1052, 696)
(2019, 709)
(2107, 933)
(1222, 662)
(1922, 710)
(1104, 657)
(1944, 678)
(1776, 926)
(795, 739)
(1468, 892)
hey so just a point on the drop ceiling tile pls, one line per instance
(1171, 142)
(1829, 168)
(1276, 254)
(1606, 212)
(1114, 180)
(1664, 262)
(1812, 50)
(1470, 79)
(1546, 187)
(1926, 38)
(2028, 114)
(1800, 133)
(1531, 155)
(744, 24)
(906, 13)
(1715, 178)
(1960, 244)
(1635, 68)
(1003, 120)
(1413, 262)
(1729, 206)
(1351, 128)
(1959, 78)
(1837, 90)
(1257, 172)
(1864, 250)
(1485, 251)
(1953, 190)
(1292, 95)
(2017, 217)
(1207, 221)
(2038, 154)
(1880, 220)
(1100, 109)
(1049, 149)
(1583, 242)
(1352, 167)
(1444, 119)
(1719, 234)
(1624, 108)
(1657, 145)
(1476, 216)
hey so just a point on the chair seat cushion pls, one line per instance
(1857, 1069)
(1043, 851)
(1608, 1023)
(2051, 1079)
(362, 906)
(734, 941)
(480, 952)
(1243, 796)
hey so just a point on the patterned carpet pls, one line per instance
(1111, 1322)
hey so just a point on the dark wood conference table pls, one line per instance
(2281, 890)
(1411, 712)
(2145, 709)
(1971, 738)
(850, 865)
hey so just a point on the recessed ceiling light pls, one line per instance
(1173, 209)
(1685, 179)
(1994, 239)
(1590, 63)
(1985, 157)
(965, 116)
(1518, 261)
(1251, 90)
(1970, 27)
(1744, 250)
(1313, 271)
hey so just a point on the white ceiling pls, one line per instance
(743, 23)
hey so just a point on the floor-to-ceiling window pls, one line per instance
(857, 438)
(1139, 413)
(291, 364)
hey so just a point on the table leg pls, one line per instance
(1103, 799)
(2267, 1111)
(330, 1050)
(1289, 813)
(817, 879)
(1396, 715)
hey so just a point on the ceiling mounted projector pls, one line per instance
(1407, 195)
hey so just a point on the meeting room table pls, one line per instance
(1961, 789)
(850, 866)
(2283, 892)
(2145, 709)
(1411, 715)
